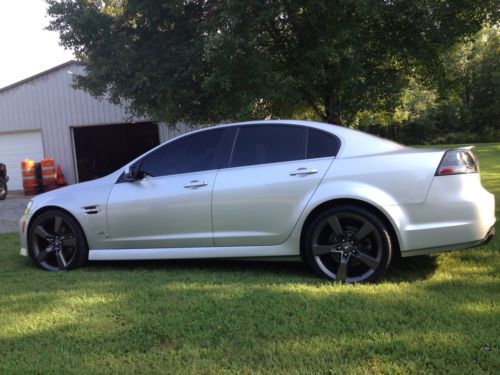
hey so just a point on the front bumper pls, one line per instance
(23, 235)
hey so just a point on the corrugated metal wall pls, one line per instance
(50, 103)
(169, 132)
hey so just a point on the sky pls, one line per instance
(25, 47)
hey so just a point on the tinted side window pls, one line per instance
(268, 144)
(189, 154)
(321, 144)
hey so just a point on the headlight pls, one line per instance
(28, 208)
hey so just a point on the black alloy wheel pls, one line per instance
(348, 244)
(56, 242)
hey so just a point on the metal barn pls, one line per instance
(44, 116)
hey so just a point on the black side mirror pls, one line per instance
(132, 174)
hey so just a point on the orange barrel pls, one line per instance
(48, 174)
(60, 176)
(30, 184)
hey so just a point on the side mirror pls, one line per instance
(132, 174)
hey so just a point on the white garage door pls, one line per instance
(14, 148)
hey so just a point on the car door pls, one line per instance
(171, 205)
(272, 173)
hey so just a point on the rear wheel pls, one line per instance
(3, 189)
(57, 242)
(348, 244)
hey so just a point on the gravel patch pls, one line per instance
(11, 210)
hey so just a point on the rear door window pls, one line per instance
(264, 144)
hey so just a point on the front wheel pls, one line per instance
(56, 242)
(348, 244)
(3, 189)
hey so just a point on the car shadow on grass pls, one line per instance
(412, 269)
(402, 269)
(296, 268)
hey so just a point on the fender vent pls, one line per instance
(91, 210)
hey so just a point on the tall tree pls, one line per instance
(212, 60)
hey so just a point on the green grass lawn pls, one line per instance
(432, 314)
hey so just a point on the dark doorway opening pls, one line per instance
(103, 149)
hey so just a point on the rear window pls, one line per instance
(321, 144)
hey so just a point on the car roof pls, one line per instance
(354, 142)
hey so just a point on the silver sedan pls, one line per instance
(344, 201)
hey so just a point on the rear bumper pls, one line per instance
(489, 236)
(457, 213)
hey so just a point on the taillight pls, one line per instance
(457, 162)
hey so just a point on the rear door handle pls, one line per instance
(303, 171)
(195, 184)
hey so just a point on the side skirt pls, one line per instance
(192, 253)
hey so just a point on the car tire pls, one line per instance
(348, 243)
(3, 189)
(56, 242)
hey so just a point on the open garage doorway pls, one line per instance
(102, 149)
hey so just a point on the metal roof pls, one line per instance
(41, 74)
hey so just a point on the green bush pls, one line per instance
(464, 107)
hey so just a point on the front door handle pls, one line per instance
(195, 184)
(303, 171)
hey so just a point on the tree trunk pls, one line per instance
(332, 116)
